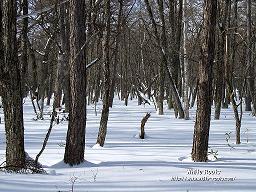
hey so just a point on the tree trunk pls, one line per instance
(194, 94)
(186, 65)
(33, 83)
(66, 85)
(251, 81)
(219, 81)
(142, 126)
(61, 58)
(24, 46)
(220, 59)
(177, 50)
(106, 59)
(238, 117)
(59, 81)
(12, 91)
(160, 99)
(203, 113)
(163, 38)
(75, 141)
(118, 31)
(248, 106)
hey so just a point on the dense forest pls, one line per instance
(75, 53)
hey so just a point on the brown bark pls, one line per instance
(186, 98)
(194, 94)
(33, 83)
(177, 49)
(61, 58)
(220, 57)
(66, 85)
(142, 126)
(161, 65)
(1, 48)
(238, 117)
(250, 65)
(12, 92)
(118, 31)
(24, 46)
(106, 67)
(59, 81)
(203, 113)
(75, 141)
(228, 74)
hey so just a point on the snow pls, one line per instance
(97, 146)
(159, 163)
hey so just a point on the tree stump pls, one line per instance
(143, 122)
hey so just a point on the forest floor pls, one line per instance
(161, 162)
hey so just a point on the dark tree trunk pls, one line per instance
(250, 65)
(61, 58)
(248, 106)
(75, 141)
(142, 125)
(2, 62)
(66, 81)
(50, 87)
(203, 114)
(33, 83)
(175, 19)
(12, 91)
(118, 30)
(186, 67)
(229, 76)
(106, 59)
(176, 56)
(220, 58)
(24, 46)
(160, 99)
(59, 81)
(219, 81)
(238, 117)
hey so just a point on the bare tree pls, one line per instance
(219, 76)
(62, 55)
(162, 46)
(116, 49)
(75, 141)
(24, 45)
(162, 64)
(249, 63)
(10, 74)
(186, 64)
(204, 97)
(106, 59)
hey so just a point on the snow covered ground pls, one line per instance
(159, 163)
